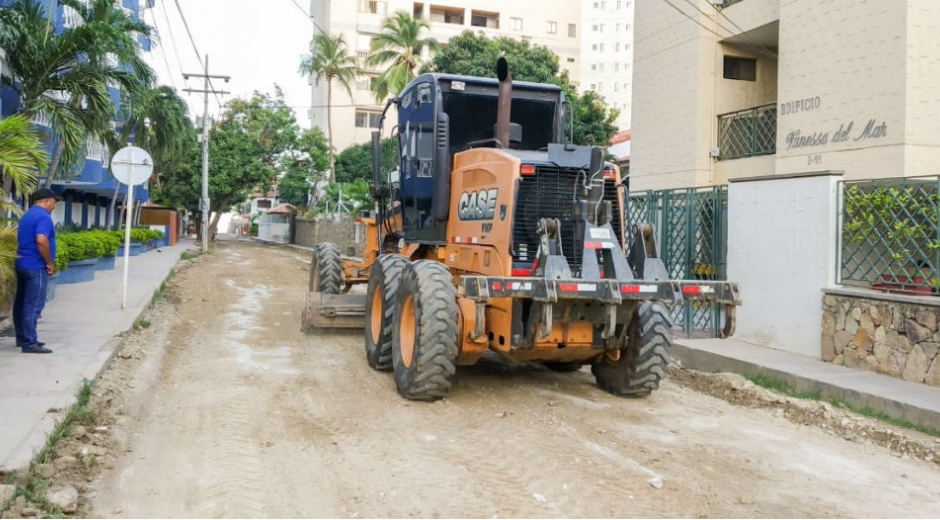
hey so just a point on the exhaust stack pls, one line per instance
(504, 103)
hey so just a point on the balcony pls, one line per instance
(728, 3)
(751, 132)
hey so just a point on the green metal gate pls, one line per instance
(692, 239)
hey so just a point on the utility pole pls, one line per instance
(204, 201)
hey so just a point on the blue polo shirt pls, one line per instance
(36, 221)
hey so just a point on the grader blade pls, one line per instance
(333, 311)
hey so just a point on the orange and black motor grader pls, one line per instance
(495, 234)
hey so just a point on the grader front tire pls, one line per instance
(424, 345)
(326, 269)
(643, 361)
(381, 295)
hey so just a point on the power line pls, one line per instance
(755, 48)
(309, 17)
(193, 41)
(169, 28)
(166, 61)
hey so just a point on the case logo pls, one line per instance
(477, 205)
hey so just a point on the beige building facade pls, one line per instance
(607, 54)
(555, 24)
(728, 89)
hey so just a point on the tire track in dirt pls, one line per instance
(246, 404)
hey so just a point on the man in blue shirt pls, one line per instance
(35, 261)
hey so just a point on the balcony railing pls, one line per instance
(373, 7)
(890, 234)
(727, 3)
(748, 133)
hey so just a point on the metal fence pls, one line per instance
(691, 235)
(748, 133)
(890, 234)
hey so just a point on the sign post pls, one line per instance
(131, 166)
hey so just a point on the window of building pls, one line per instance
(593, 86)
(603, 5)
(515, 24)
(600, 67)
(627, 27)
(449, 15)
(600, 47)
(615, 86)
(596, 5)
(572, 30)
(600, 28)
(617, 28)
(617, 67)
(618, 4)
(600, 86)
(373, 6)
(365, 119)
(264, 204)
(593, 46)
(366, 83)
(484, 19)
(744, 69)
(617, 47)
(552, 27)
(594, 28)
(418, 11)
(570, 60)
(593, 66)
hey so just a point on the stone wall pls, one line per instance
(311, 232)
(892, 334)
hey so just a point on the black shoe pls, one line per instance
(36, 349)
(40, 343)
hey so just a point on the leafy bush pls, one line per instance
(84, 245)
(62, 255)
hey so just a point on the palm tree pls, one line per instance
(401, 44)
(157, 120)
(64, 77)
(22, 157)
(330, 60)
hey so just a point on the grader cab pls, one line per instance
(496, 234)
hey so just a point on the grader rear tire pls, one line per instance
(381, 295)
(326, 269)
(642, 363)
(424, 345)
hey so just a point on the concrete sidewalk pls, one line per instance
(914, 402)
(80, 326)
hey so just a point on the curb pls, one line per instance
(705, 361)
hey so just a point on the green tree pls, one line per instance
(64, 76)
(22, 158)
(330, 60)
(355, 162)
(303, 167)
(269, 122)
(399, 47)
(474, 54)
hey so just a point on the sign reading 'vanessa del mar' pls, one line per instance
(846, 133)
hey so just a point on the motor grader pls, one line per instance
(496, 234)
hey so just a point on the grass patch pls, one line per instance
(780, 387)
(158, 294)
(33, 486)
(143, 324)
(189, 255)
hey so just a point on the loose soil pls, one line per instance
(223, 408)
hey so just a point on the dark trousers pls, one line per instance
(31, 287)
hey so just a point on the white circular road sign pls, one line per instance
(132, 165)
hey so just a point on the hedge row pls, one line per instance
(95, 243)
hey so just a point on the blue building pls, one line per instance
(89, 190)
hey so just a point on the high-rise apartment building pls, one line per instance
(554, 24)
(607, 53)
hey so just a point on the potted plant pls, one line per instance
(112, 245)
(83, 253)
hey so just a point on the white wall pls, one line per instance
(781, 252)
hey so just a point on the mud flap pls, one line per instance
(333, 311)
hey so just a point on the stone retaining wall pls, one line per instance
(894, 335)
(311, 232)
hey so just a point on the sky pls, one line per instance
(259, 43)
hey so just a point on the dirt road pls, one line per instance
(231, 411)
